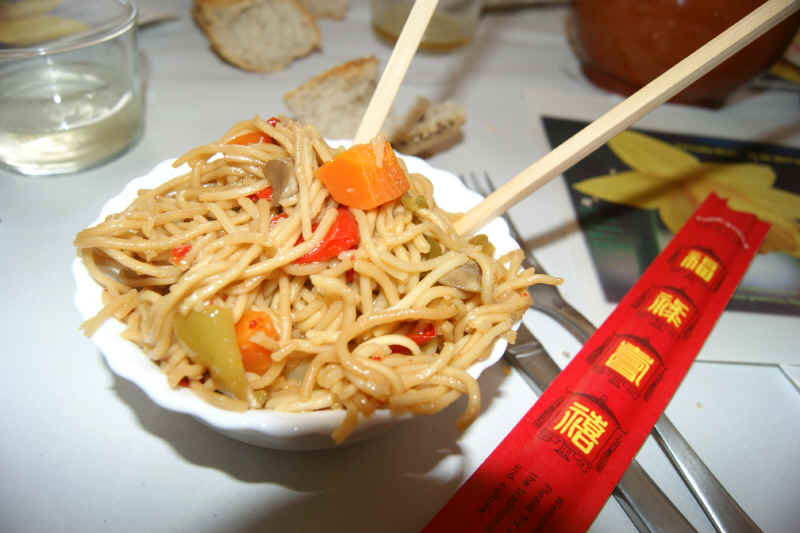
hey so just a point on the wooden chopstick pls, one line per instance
(404, 50)
(627, 112)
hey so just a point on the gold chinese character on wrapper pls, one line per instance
(669, 307)
(701, 264)
(629, 361)
(583, 427)
(706, 269)
(691, 259)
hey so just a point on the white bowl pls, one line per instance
(265, 428)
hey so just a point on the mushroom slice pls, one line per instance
(281, 176)
(466, 277)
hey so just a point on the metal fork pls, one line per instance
(721, 509)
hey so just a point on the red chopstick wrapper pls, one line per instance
(560, 463)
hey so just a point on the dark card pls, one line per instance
(633, 194)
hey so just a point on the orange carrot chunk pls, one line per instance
(255, 357)
(359, 178)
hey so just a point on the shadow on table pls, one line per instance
(404, 454)
(551, 235)
(380, 506)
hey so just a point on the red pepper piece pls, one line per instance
(276, 218)
(423, 332)
(179, 252)
(265, 193)
(253, 137)
(342, 235)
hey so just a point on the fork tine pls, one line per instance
(490, 188)
(475, 184)
(469, 181)
(464, 181)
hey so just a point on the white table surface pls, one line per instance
(86, 451)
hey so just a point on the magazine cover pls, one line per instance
(633, 194)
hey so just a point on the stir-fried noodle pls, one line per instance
(393, 322)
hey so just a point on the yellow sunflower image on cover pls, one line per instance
(675, 182)
(633, 194)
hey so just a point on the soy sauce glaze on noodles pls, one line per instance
(390, 312)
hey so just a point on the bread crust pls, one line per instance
(429, 127)
(327, 8)
(353, 66)
(203, 11)
(335, 100)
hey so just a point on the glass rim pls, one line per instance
(99, 34)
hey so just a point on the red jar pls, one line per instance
(624, 44)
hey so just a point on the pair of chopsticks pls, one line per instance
(725, 515)
(592, 136)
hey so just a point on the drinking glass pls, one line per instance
(452, 25)
(73, 99)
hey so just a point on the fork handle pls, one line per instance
(719, 506)
(569, 318)
(721, 509)
(645, 504)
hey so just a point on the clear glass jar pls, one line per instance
(75, 100)
(452, 25)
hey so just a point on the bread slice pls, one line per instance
(258, 35)
(428, 127)
(334, 9)
(335, 100)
